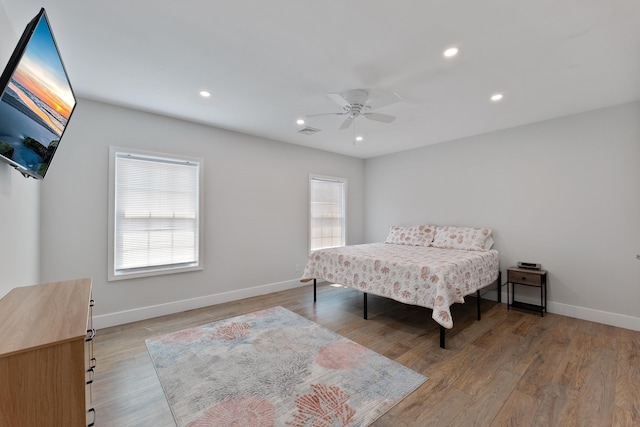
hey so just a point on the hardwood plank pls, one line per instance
(627, 393)
(558, 407)
(546, 359)
(441, 410)
(575, 361)
(483, 408)
(597, 394)
(519, 410)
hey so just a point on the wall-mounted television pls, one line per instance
(37, 101)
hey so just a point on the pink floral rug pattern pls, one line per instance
(275, 368)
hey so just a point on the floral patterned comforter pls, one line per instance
(419, 275)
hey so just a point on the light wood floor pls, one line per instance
(512, 368)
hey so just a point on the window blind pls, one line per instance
(327, 212)
(156, 221)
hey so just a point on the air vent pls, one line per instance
(308, 130)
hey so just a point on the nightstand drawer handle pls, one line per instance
(93, 334)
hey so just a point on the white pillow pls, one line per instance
(488, 243)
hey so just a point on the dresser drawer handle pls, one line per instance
(92, 303)
(93, 375)
(92, 333)
(93, 423)
(93, 362)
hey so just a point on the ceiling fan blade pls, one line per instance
(387, 98)
(327, 114)
(378, 117)
(347, 123)
(338, 99)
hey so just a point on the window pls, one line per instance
(155, 212)
(327, 216)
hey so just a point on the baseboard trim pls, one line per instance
(598, 316)
(613, 319)
(149, 312)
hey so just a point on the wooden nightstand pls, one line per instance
(527, 277)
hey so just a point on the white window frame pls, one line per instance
(152, 270)
(336, 179)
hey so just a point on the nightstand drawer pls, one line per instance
(532, 279)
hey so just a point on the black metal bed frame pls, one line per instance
(442, 328)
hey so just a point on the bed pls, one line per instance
(428, 266)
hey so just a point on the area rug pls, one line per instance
(275, 368)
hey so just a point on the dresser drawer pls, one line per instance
(525, 278)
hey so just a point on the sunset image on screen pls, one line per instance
(41, 83)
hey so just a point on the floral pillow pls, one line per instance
(473, 239)
(421, 235)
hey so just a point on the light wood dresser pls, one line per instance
(46, 355)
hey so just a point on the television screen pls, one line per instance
(37, 101)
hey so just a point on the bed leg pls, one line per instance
(365, 306)
(478, 302)
(441, 336)
(314, 290)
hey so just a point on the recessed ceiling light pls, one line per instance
(205, 93)
(496, 97)
(451, 52)
(300, 121)
(359, 138)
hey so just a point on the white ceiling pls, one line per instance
(268, 63)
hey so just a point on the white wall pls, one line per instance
(256, 213)
(19, 204)
(564, 193)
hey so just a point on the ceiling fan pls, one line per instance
(361, 102)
